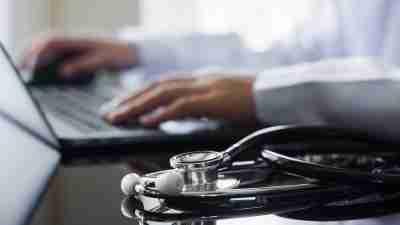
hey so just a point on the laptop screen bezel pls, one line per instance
(56, 143)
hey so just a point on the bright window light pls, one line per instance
(6, 31)
(258, 22)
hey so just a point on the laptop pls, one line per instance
(69, 114)
(27, 164)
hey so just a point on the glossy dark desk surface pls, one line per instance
(100, 202)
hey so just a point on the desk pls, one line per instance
(90, 194)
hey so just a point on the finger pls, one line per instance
(177, 76)
(29, 56)
(62, 44)
(41, 50)
(184, 107)
(149, 102)
(154, 85)
(27, 60)
(122, 100)
(86, 63)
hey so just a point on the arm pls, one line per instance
(359, 94)
(352, 93)
(189, 52)
(319, 37)
(316, 39)
(158, 55)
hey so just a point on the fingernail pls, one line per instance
(110, 117)
(66, 72)
(145, 120)
(117, 114)
(151, 118)
(109, 107)
(121, 109)
(103, 111)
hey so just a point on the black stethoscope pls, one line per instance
(203, 179)
(368, 206)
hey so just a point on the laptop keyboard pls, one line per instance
(78, 106)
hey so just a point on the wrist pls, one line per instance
(130, 56)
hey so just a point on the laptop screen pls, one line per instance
(16, 101)
(26, 164)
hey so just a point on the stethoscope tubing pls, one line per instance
(308, 169)
(310, 192)
(326, 175)
(387, 204)
(293, 133)
(220, 213)
(297, 210)
(291, 203)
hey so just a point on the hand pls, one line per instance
(91, 54)
(220, 98)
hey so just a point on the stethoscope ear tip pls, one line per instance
(170, 183)
(129, 182)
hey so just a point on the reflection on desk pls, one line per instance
(362, 210)
(371, 207)
(91, 195)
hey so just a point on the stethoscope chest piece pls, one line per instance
(199, 169)
(271, 181)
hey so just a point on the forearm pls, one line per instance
(370, 102)
(189, 52)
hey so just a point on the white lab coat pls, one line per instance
(329, 83)
(343, 69)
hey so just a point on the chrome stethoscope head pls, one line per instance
(195, 171)
(199, 169)
(196, 160)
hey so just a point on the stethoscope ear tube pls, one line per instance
(282, 162)
(371, 206)
(200, 169)
(293, 133)
(263, 204)
(326, 173)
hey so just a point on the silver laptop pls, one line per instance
(26, 166)
(69, 114)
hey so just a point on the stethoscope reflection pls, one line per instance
(133, 208)
(329, 182)
(365, 207)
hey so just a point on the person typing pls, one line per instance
(340, 69)
(315, 90)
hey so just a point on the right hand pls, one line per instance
(225, 98)
(91, 55)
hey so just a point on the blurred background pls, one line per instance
(21, 19)
(75, 190)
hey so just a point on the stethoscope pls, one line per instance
(204, 179)
(366, 206)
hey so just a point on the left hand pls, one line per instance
(228, 98)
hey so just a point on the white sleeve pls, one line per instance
(310, 42)
(319, 37)
(354, 93)
(189, 52)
